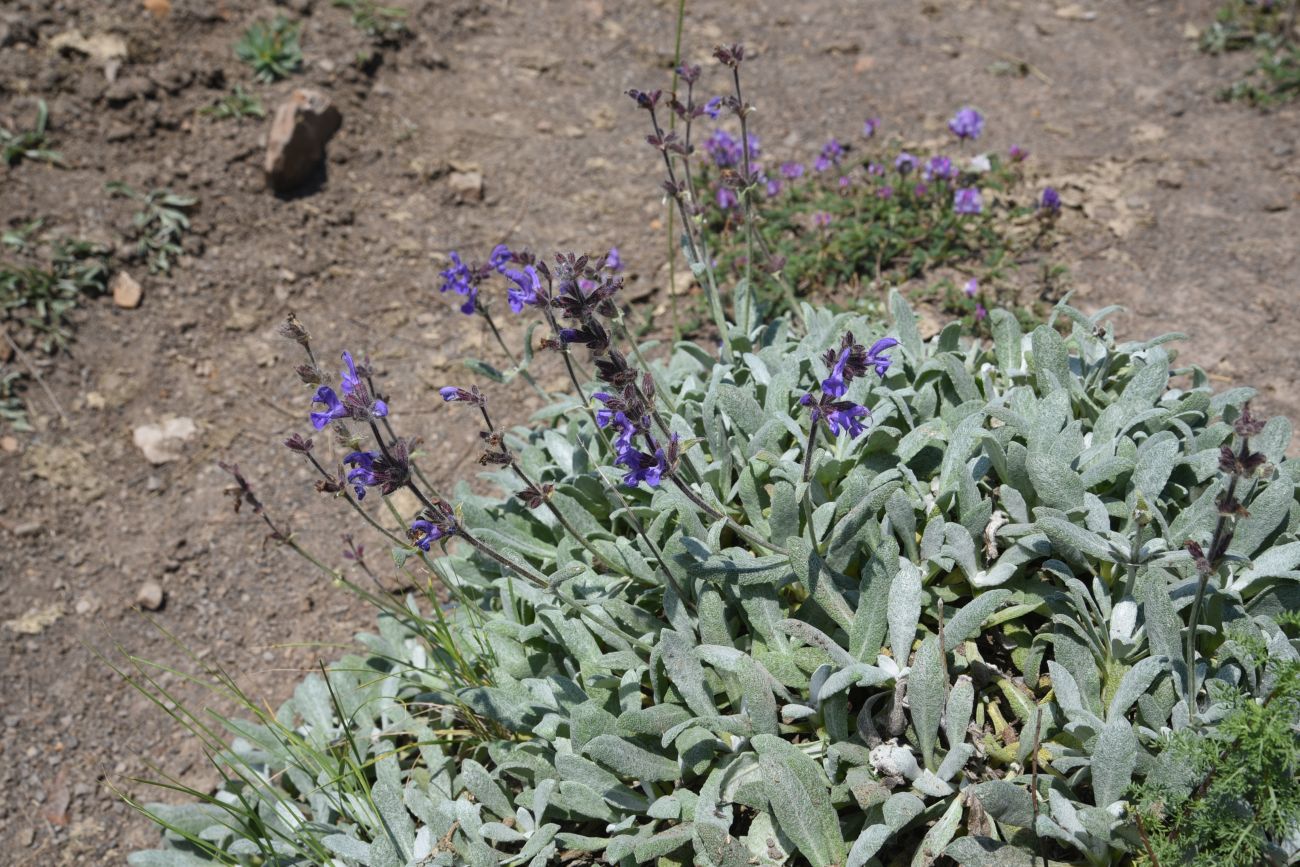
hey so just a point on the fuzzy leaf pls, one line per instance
(801, 803)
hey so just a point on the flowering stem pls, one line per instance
(808, 451)
(419, 474)
(699, 253)
(740, 529)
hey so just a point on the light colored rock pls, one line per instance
(466, 186)
(126, 291)
(161, 442)
(101, 46)
(8, 444)
(150, 596)
(35, 620)
(301, 127)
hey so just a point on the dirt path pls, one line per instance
(1191, 221)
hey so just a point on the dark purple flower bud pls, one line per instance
(454, 394)
(613, 368)
(966, 200)
(688, 73)
(532, 497)
(644, 99)
(967, 123)
(1248, 424)
(310, 374)
(297, 443)
(730, 55)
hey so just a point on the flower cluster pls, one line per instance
(436, 521)
(967, 123)
(851, 361)
(627, 414)
(465, 279)
(357, 403)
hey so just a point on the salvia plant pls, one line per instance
(831, 595)
(871, 208)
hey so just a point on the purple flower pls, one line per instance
(920, 190)
(792, 171)
(841, 416)
(524, 288)
(727, 198)
(876, 355)
(822, 219)
(835, 385)
(432, 524)
(972, 287)
(613, 262)
(905, 163)
(831, 153)
(967, 124)
(1017, 154)
(471, 303)
(845, 419)
(458, 277)
(362, 475)
(350, 378)
(612, 414)
(642, 467)
(870, 126)
(425, 533)
(334, 408)
(980, 312)
(773, 187)
(1051, 201)
(939, 168)
(724, 149)
(713, 107)
(499, 258)
(885, 192)
(966, 200)
(876, 169)
(356, 402)
(845, 181)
